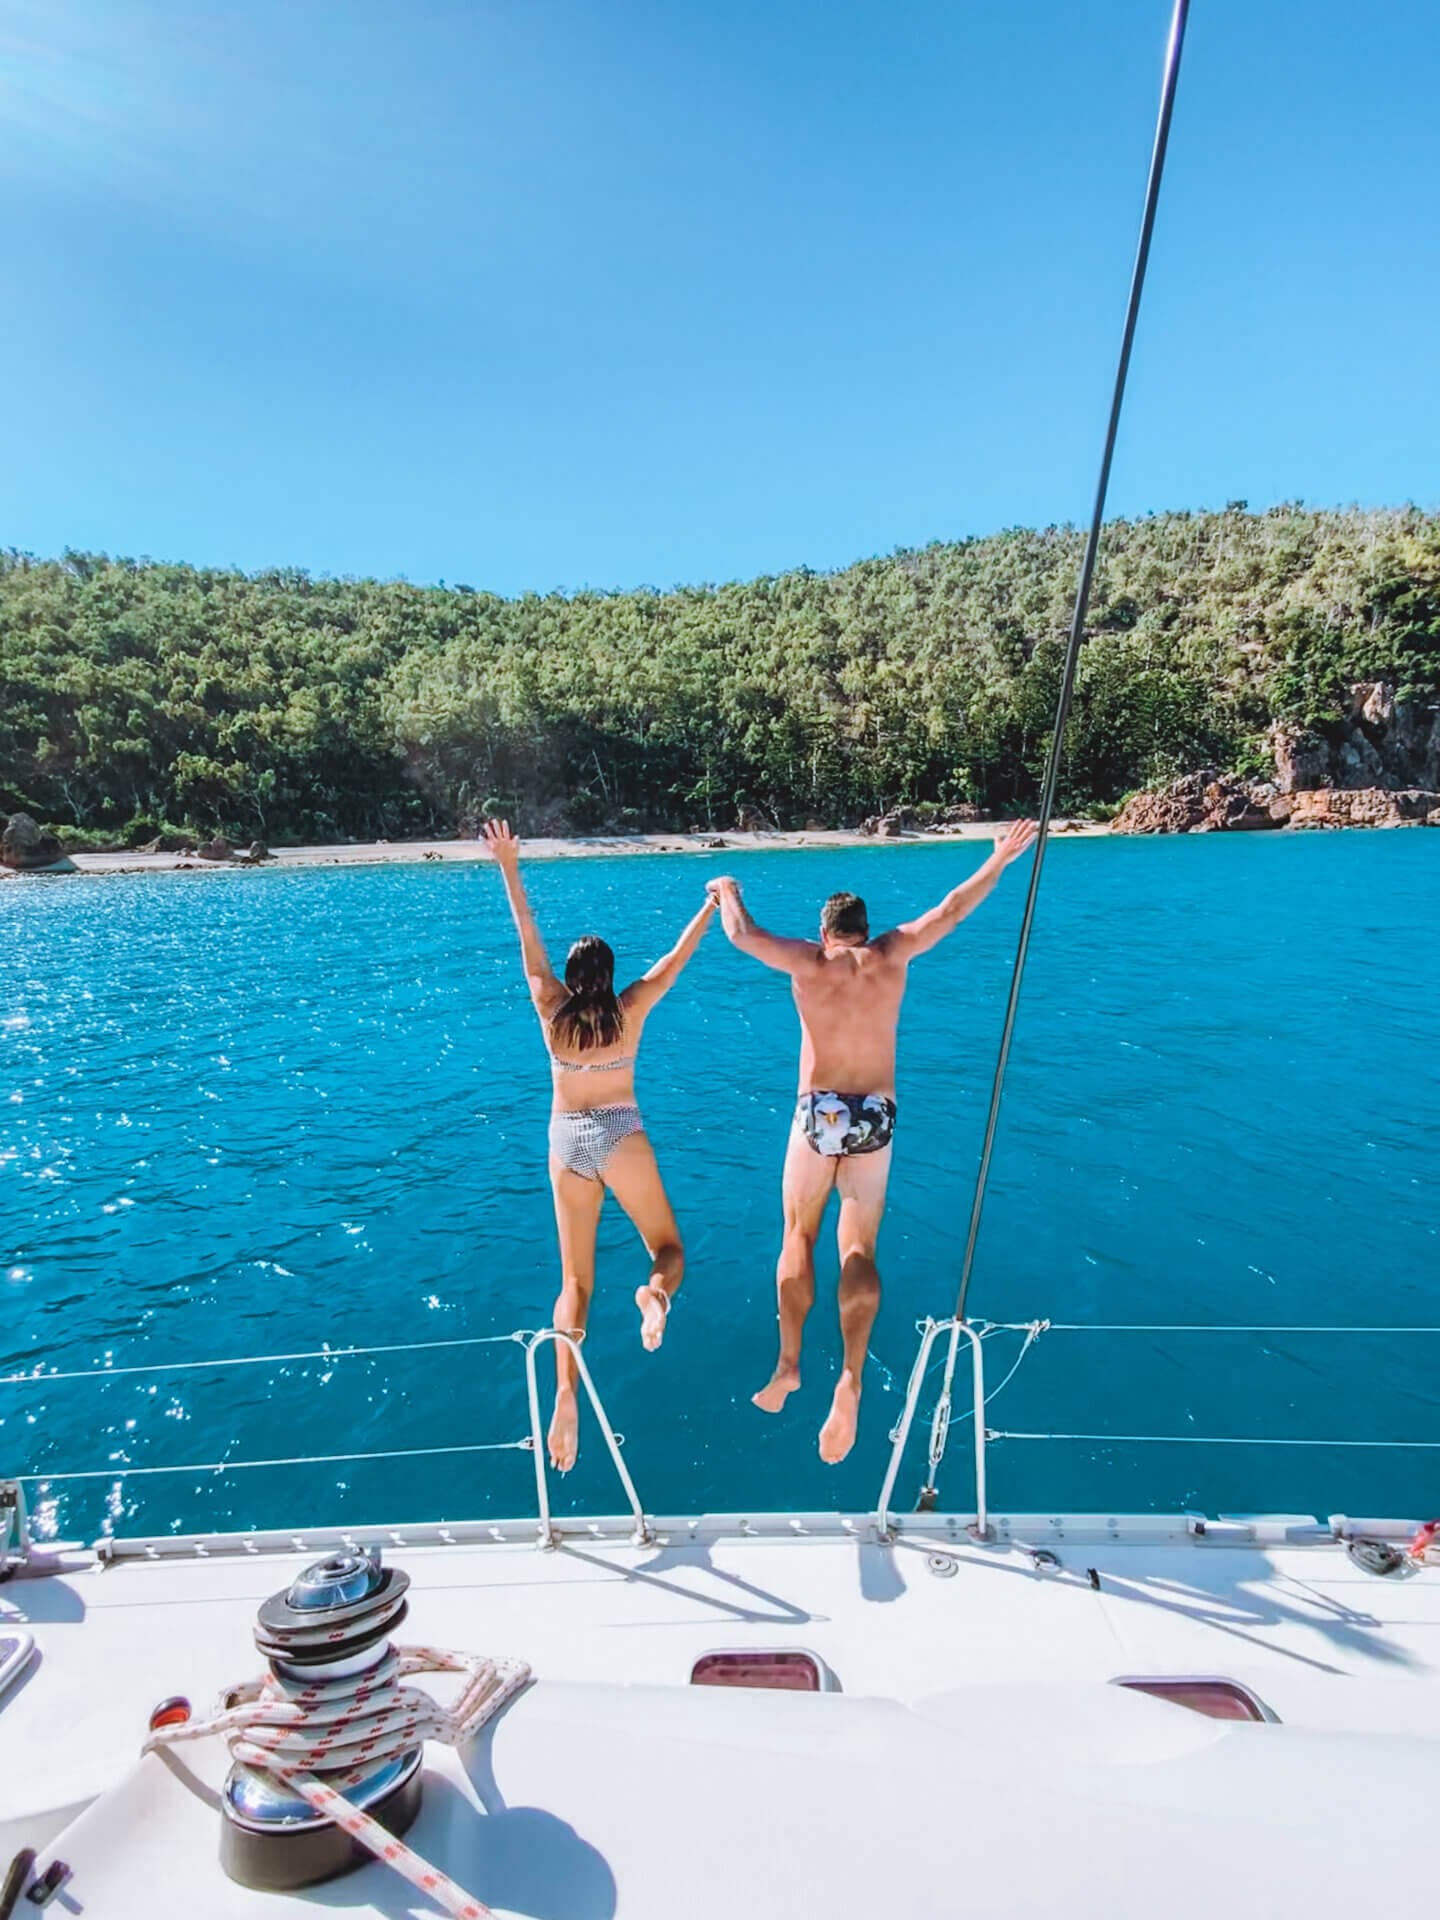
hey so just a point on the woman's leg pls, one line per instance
(577, 1215)
(633, 1177)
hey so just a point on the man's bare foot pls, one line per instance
(772, 1397)
(837, 1436)
(654, 1305)
(564, 1438)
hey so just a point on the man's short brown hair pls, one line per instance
(843, 917)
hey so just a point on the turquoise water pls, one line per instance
(249, 1113)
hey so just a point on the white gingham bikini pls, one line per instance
(582, 1139)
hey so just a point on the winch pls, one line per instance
(326, 1640)
(327, 1744)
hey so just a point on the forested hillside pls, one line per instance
(135, 696)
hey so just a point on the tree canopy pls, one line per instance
(136, 696)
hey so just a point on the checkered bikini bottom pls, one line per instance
(583, 1141)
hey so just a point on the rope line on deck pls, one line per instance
(1207, 1440)
(298, 1460)
(260, 1359)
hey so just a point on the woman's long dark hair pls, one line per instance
(591, 1017)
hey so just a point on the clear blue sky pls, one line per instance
(539, 293)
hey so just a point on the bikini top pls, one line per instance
(592, 1066)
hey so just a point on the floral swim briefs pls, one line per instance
(841, 1124)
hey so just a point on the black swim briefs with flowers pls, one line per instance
(841, 1124)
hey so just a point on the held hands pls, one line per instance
(501, 843)
(720, 886)
(1017, 838)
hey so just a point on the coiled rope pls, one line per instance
(293, 1730)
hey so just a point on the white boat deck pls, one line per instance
(995, 1646)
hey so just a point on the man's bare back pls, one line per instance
(848, 991)
(848, 999)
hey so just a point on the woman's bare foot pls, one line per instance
(837, 1436)
(654, 1305)
(564, 1437)
(782, 1384)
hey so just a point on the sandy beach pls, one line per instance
(599, 847)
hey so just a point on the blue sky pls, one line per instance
(551, 293)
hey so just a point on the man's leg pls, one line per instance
(862, 1180)
(809, 1178)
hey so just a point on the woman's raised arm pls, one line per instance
(657, 981)
(539, 974)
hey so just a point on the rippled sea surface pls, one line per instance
(258, 1113)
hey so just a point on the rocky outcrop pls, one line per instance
(1211, 802)
(217, 849)
(1205, 802)
(1358, 807)
(24, 848)
(1381, 742)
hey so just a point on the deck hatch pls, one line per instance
(1216, 1699)
(789, 1672)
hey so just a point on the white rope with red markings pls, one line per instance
(342, 1728)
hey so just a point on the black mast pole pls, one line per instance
(1072, 651)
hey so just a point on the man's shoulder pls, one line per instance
(889, 948)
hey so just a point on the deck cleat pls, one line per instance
(1382, 1558)
(321, 1637)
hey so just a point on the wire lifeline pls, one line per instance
(1208, 1440)
(261, 1359)
(298, 1460)
(1096, 1326)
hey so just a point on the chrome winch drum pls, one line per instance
(335, 1622)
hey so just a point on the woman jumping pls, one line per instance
(597, 1138)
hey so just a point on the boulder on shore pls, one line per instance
(24, 848)
(217, 849)
(889, 826)
(1205, 802)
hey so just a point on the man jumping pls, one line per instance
(848, 990)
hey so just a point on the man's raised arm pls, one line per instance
(741, 931)
(918, 936)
